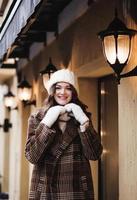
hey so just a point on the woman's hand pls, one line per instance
(52, 115)
(79, 115)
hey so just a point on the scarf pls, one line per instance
(63, 120)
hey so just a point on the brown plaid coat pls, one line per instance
(61, 161)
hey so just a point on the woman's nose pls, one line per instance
(62, 91)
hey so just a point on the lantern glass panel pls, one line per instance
(123, 48)
(117, 49)
(110, 49)
(10, 102)
(24, 94)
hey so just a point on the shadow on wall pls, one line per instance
(65, 46)
(130, 7)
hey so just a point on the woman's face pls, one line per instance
(63, 93)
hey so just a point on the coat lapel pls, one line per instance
(69, 135)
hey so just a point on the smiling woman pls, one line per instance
(60, 142)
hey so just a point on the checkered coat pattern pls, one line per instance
(61, 160)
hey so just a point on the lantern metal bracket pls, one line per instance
(10, 109)
(28, 103)
(133, 72)
(49, 69)
(6, 125)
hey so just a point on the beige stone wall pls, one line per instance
(14, 147)
(128, 139)
(127, 93)
(24, 178)
(5, 147)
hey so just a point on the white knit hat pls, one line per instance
(63, 75)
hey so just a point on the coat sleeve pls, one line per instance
(91, 143)
(39, 137)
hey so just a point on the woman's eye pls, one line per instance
(57, 88)
(68, 88)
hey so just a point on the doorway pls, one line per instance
(108, 128)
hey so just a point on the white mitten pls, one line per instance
(52, 115)
(79, 115)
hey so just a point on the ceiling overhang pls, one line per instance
(15, 19)
(44, 19)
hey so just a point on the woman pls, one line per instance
(61, 141)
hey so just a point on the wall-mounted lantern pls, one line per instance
(6, 125)
(116, 42)
(47, 72)
(10, 101)
(25, 93)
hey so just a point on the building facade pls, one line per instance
(73, 43)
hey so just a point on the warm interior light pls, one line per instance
(10, 100)
(123, 48)
(24, 94)
(117, 48)
(24, 90)
(9, 61)
(109, 49)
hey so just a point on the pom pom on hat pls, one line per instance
(63, 75)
